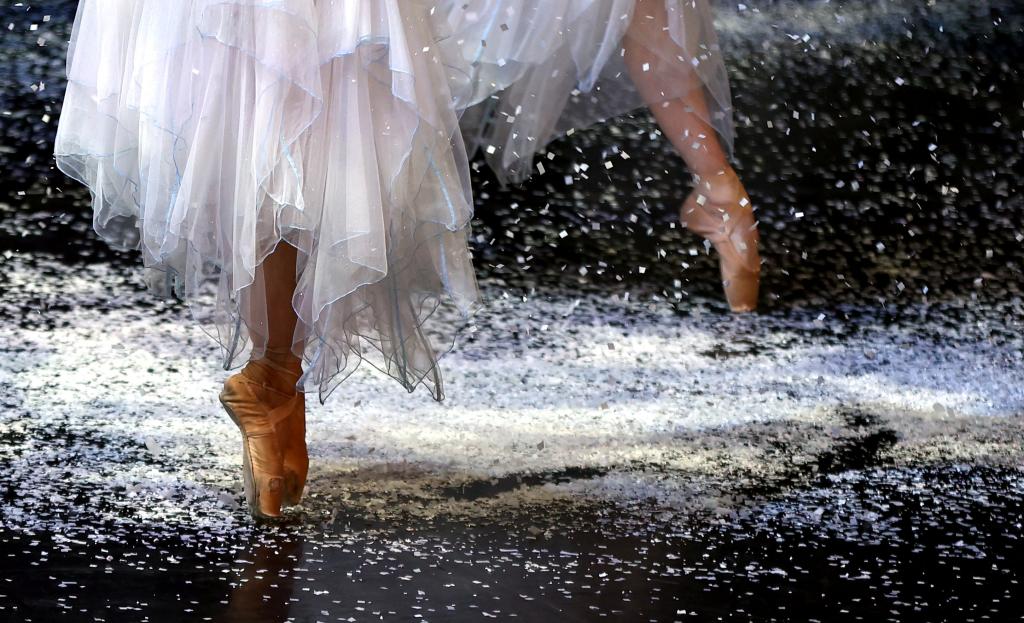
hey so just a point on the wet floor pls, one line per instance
(614, 447)
(891, 545)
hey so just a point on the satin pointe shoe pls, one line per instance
(722, 214)
(296, 456)
(265, 416)
(281, 371)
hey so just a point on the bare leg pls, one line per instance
(683, 120)
(277, 274)
(279, 282)
(719, 209)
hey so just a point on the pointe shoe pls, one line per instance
(296, 455)
(264, 416)
(722, 214)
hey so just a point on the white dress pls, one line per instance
(210, 130)
(542, 67)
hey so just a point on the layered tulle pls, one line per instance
(211, 130)
(543, 67)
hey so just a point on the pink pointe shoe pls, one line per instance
(272, 424)
(720, 210)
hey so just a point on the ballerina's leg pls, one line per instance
(719, 208)
(271, 318)
(262, 398)
(684, 119)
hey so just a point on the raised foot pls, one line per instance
(719, 209)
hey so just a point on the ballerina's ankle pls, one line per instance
(281, 368)
(720, 187)
(282, 360)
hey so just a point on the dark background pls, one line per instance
(881, 143)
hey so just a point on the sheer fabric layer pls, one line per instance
(210, 130)
(542, 67)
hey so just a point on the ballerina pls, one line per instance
(294, 172)
(541, 67)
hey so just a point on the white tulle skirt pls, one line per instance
(540, 68)
(208, 131)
